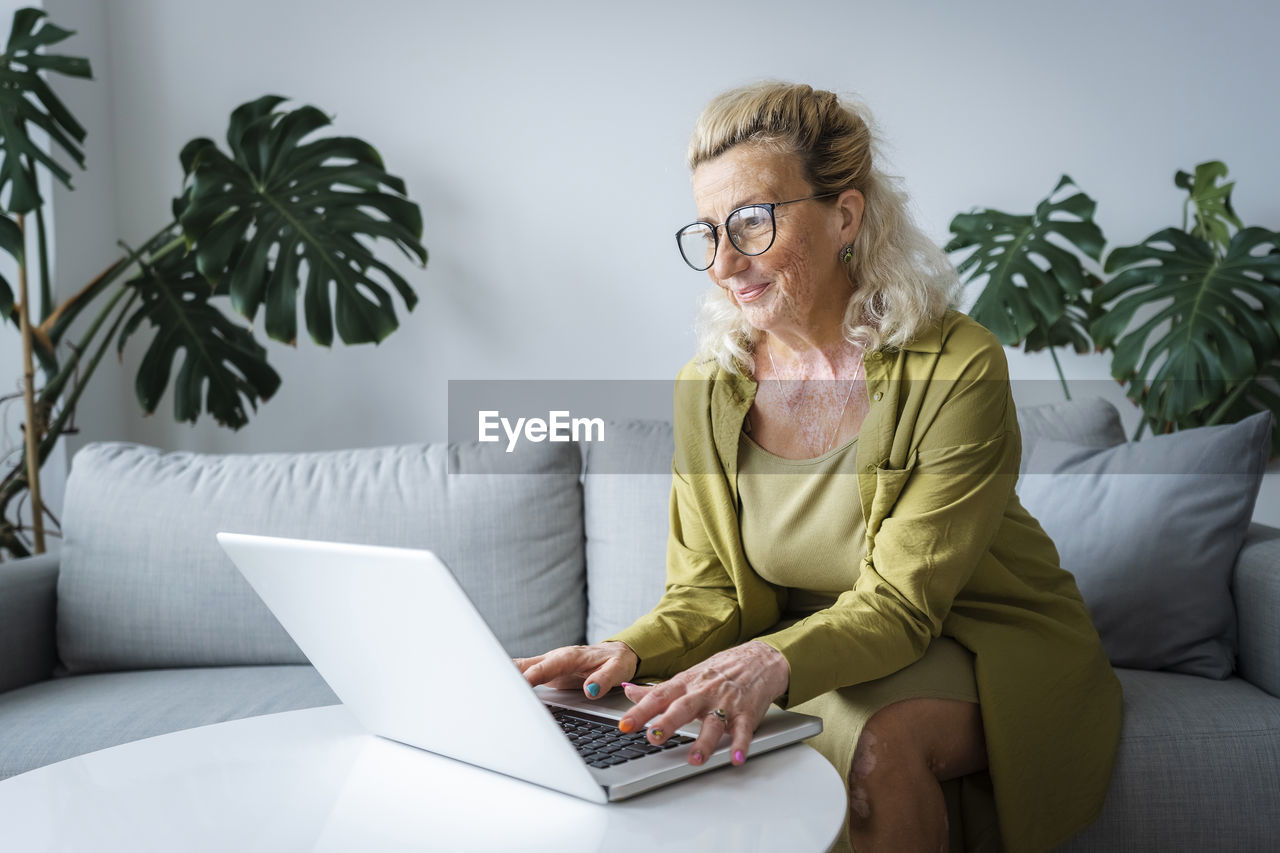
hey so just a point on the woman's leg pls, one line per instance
(906, 749)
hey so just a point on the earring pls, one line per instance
(846, 254)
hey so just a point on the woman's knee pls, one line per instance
(887, 770)
(880, 735)
(878, 748)
(942, 737)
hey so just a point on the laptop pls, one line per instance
(402, 646)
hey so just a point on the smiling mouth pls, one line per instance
(750, 294)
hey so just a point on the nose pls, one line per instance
(728, 261)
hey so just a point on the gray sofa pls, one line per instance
(142, 626)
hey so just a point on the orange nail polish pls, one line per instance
(625, 726)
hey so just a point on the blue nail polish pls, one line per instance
(593, 690)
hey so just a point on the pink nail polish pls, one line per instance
(627, 684)
(697, 757)
(738, 757)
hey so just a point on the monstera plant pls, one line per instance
(1037, 291)
(280, 214)
(1191, 315)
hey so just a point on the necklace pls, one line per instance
(843, 409)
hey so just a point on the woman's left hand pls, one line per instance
(742, 682)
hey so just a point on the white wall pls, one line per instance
(545, 143)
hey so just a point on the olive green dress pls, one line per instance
(948, 551)
(796, 532)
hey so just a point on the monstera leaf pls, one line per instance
(1213, 318)
(1072, 328)
(1031, 278)
(26, 100)
(279, 214)
(1212, 203)
(11, 242)
(1260, 394)
(223, 369)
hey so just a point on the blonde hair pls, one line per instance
(901, 281)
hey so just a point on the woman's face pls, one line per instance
(799, 285)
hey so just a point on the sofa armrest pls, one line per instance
(1256, 589)
(28, 603)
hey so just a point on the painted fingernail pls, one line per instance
(593, 690)
(627, 684)
(656, 733)
(625, 725)
(696, 757)
(738, 757)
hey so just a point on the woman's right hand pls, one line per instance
(596, 669)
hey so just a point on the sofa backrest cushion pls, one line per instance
(1087, 421)
(144, 583)
(626, 490)
(1151, 530)
(627, 487)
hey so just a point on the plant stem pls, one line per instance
(33, 432)
(1066, 392)
(54, 388)
(55, 429)
(1221, 412)
(56, 323)
(17, 478)
(13, 481)
(46, 283)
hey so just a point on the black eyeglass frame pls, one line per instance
(715, 229)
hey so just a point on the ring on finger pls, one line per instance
(720, 715)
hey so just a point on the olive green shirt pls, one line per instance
(949, 550)
(798, 527)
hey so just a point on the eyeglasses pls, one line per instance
(751, 229)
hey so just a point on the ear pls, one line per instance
(850, 203)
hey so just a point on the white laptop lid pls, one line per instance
(432, 676)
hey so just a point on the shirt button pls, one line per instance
(876, 396)
(870, 468)
(876, 356)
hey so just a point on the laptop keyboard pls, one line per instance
(601, 744)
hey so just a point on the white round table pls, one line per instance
(313, 780)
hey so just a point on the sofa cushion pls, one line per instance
(144, 583)
(625, 491)
(1151, 530)
(1255, 586)
(1088, 421)
(1197, 769)
(58, 719)
(28, 610)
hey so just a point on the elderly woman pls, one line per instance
(845, 537)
